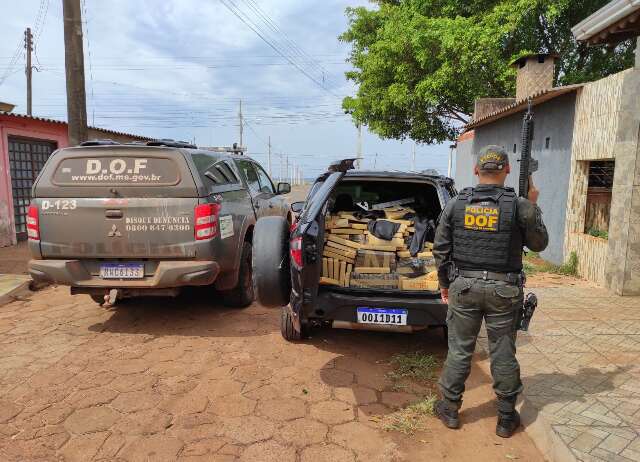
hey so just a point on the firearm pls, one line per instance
(528, 307)
(528, 165)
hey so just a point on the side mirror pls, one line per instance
(284, 188)
(297, 207)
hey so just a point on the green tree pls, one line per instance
(420, 64)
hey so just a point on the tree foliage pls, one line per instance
(420, 64)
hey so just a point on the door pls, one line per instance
(261, 199)
(26, 159)
(310, 231)
(276, 203)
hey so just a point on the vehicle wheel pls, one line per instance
(99, 299)
(286, 327)
(242, 295)
(271, 266)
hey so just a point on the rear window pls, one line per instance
(214, 170)
(113, 170)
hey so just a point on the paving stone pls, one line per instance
(326, 453)
(152, 448)
(357, 437)
(613, 443)
(302, 432)
(232, 406)
(356, 395)
(332, 412)
(282, 409)
(83, 447)
(91, 419)
(268, 451)
(247, 430)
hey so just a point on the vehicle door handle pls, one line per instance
(113, 213)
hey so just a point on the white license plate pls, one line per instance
(122, 271)
(387, 316)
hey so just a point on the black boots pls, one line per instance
(508, 423)
(447, 411)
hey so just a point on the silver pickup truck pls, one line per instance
(118, 221)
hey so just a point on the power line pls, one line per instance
(233, 8)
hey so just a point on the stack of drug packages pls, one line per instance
(354, 257)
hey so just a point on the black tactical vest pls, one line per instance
(486, 234)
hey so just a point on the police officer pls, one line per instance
(478, 251)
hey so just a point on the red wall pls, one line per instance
(26, 128)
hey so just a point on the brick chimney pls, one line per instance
(535, 74)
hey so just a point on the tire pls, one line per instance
(242, 295)
(287, 329)
(99, 299)
(271, 266)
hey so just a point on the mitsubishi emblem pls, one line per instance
(114, 232)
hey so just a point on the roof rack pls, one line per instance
(171, 143)
(105, 142)
(234, 149)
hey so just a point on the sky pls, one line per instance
(179, 68)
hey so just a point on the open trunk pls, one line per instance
(378, 235)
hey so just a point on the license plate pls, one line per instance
(391, 316)
(122, 271)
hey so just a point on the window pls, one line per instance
(515, 148)
(547, 142)
(266, 186)
(600, 187)
(214, 170)
(221, 173)
(250, 174)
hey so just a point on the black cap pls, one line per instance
(492, 157)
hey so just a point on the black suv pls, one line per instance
(287, 260)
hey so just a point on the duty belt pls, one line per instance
(512, 278)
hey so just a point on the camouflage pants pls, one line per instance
(498, 303)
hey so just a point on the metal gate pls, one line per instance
(26, 159)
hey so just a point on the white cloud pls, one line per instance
(176, 69)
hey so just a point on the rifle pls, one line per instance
(528, 165)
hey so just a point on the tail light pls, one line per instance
(295, 250)
(206, 221)
(33, 223)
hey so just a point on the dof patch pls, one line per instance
(481, 218)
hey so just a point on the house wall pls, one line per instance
(606, 128)
(553, 119)
(27, 128)
(463, 174)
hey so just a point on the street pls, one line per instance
(186, 379)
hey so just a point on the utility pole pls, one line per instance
(287, 170)
(28, 45)
(413, 158)
(74, 69)
(269, 156)
(241, 122)
(359, 147)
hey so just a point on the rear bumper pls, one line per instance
(339, 305)
(168, 274)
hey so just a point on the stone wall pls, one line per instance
(606, 127)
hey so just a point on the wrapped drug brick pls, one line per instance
(374, 281)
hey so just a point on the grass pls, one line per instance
(597, 233)
(532, 264)
(410, 419)
(416, 365)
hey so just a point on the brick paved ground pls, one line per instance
(581, 371)
(163, 379)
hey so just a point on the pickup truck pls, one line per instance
(116, 220)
